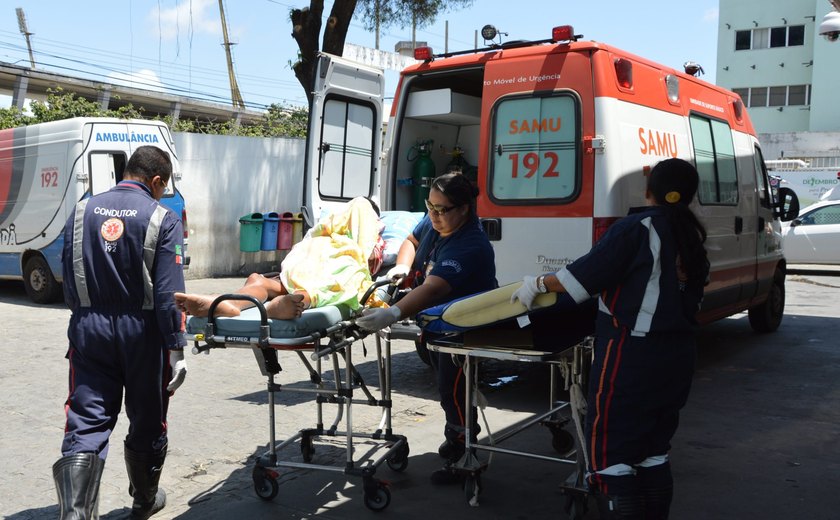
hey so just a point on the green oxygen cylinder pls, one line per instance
(422, 174)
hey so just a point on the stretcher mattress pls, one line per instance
(248, 323)
(486, 308)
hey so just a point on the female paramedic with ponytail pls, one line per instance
(649, 270)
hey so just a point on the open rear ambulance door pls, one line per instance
(345, 135)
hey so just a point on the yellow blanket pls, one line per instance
(331, 262)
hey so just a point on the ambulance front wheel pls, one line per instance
(41, 285)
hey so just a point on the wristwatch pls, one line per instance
(541, 284)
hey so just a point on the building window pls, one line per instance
(792, 95)
(758, 97)
(743, 40)
(798, 95)
(778, 36)
(778, 96)
(763, 38)
(796, 35)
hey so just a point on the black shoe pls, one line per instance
(445, 476)
(451, 450)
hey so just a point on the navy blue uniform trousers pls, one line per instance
(109, 350)
(637, 387)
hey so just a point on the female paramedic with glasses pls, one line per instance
(449, 256)
(649, 270)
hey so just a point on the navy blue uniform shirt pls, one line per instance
(465, 259)
(126, 257)
(634, 269)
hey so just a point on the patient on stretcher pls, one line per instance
(332, 265)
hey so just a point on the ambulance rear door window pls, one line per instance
(534, 150)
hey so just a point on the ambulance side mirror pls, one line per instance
(787, 205)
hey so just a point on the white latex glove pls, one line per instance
(376, 319)
(399, 270)
(527, 292)
(179, 369)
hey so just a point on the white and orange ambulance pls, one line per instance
(559, 134)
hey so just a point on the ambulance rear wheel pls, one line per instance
(768, 316)
(41, 285)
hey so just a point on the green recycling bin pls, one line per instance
(250, 232)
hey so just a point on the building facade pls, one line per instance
(771, 53)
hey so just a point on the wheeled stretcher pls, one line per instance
(559, 335)
(319, 336)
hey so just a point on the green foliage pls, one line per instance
(402, 13)
(278, 120)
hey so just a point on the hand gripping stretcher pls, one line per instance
(487, 326)
(327, 334)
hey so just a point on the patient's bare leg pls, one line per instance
(199, 305)
(285, 306)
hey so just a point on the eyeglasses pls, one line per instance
(437, 209)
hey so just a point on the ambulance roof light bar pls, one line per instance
(562, 33)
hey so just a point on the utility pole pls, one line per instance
(26, 34)
(235, 96)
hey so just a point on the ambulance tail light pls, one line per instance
(624, 73)
(738, 109)
(423, 54)
(600, 226)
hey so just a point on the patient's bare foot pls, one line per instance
(199, 305)
(285, 306)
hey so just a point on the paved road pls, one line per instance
(758, 438)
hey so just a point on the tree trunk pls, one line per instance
(306, 27)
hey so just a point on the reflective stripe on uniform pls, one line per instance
(149, 248)
(651, 296)
(78, 254)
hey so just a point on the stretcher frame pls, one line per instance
(336, 344)
(569, 366)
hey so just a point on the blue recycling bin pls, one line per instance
(271, 223)
(250, 232)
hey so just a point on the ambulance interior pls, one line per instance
(443, 111)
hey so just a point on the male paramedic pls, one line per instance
(122, 263)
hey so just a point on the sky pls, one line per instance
(177, 45)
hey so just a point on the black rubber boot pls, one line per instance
(77, 484)
(620, 507)
(144, 474)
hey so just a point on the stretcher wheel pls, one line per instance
(265, 485)
(472, 487)
(562, 441)
(576, 506)
(307, 449)
(399, 460)
(378, 499)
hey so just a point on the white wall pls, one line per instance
(224, 178)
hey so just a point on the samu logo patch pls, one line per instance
(112, 229)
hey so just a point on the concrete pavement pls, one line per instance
(758, 437)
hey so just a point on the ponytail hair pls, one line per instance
(673, 184)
